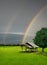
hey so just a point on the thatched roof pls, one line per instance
(32, 45)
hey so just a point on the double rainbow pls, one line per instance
(28, 27)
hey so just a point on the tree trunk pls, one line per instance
(42, 49)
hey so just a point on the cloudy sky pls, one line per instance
(15, 15)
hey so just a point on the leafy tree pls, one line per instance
(41, 38)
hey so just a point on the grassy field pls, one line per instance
(12, 55)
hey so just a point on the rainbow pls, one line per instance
(28, 27)
(8, 27)
(31, 22)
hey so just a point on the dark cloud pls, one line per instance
(23, 10)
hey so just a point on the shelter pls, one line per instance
(31, 46)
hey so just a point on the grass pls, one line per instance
(12, 55)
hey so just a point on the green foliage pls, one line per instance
(41, 38)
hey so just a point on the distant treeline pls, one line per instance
(12, 44)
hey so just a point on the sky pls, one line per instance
(15, 15)
(39, 22)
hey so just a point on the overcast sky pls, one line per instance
(20, 12)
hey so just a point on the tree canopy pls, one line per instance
(41, 38)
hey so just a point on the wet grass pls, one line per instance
(12, 55)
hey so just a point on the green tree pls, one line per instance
(41, 38)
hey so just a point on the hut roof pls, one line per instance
(32, 44)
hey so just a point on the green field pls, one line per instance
(12, 55)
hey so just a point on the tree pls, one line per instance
(41, 38)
